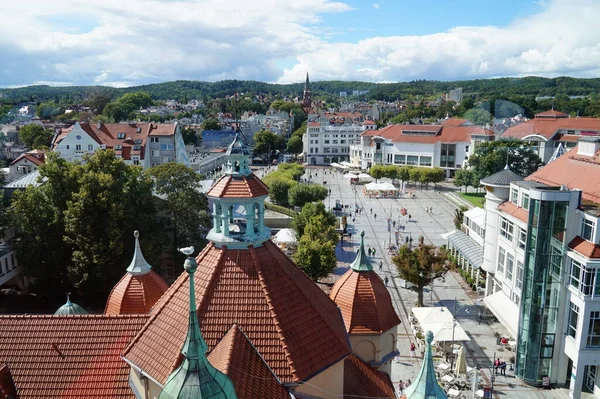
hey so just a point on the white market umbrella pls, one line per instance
(285, 236)
(461, 362)
(350, 176)
(365, 177)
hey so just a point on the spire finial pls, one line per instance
(361, 262)
(138, 265)
(68, 299)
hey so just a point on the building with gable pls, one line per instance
(24, 164)
(145, 144)
(551, 129)
(447, 146)
(541, 254)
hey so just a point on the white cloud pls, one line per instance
(117, 42)
(556, 41)
(376, 6)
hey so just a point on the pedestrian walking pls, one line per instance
(375, 216)
(409, 217)
(412, 350)
(371, 210)
(394, 224)
(496, 365)
(386, 280)
(427, 209)
(431, 211)
(380, 265)
(407, 383)
(503, 368)
(353, 220)
(401, 387)
(374, 251)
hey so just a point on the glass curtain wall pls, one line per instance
(544, 260)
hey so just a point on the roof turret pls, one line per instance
(425, 385)
(502, 178)
(195, 377)
(70, 308)
(138, 265)
(361, 262)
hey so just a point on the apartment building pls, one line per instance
(145, 144)
(541, 254)
(551, 129)
(447, 146)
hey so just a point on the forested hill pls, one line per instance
(181, 89)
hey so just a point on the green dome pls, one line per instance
(70, 308)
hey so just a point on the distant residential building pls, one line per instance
(343, 94)
(447, 146)
(25, 164)
(145, 144)
(552, 128)
(455, 95)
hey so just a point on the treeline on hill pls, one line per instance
(479, 88)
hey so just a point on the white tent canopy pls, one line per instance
(380, 187)
(440, 322)
(350, 176)
(285, 236)
(365, 177)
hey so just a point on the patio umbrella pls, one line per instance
(350, 176)
(461, 362)
(285, 236)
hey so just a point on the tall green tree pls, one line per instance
(35, 136)
(187, 207)
(463, 178)
(75, 229)
(211, 124)
(491, 157)
(316, 257)
(301, 194)
(421, 265)
(267, 143)
(294, 145)
(308, 211)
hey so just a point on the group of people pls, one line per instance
(429, 210)
(500, 365)
(402, 385)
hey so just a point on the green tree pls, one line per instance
(491, 157)
(97, 102)
(267, 142)
(300, 131)
(415, 175)
(316, 257)
(463, 178)
(123, 107)
(279, 189)
(35, 136)
(301, 194)
(421, 265)
(478, 116)
(211, 124)
(294, 145)
(309, 210)
(459, 216)
(403, 173)
(75, 229)
(189, 135)
(186, 206)
(377, 172)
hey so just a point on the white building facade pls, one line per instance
(542, 258)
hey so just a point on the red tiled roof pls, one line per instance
(369, 122)
(547, 127)
(432, 133)
(361, 380)
(235, 356)
(75, 356)
(108, 132)
(551, 113)
(365, 303)
(238, 187)
(454, 121)
(314, 124)
(135, 294)
(585, 248)
(514, 210)
(296, 328)
(575, 172)
(36, 157)
(7, 385)
(346, 115)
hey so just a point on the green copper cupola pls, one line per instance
(196, 378)
(425, 385)
(361, 262)
(70, 308)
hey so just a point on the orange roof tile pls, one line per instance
(314, 124)
(548, 127)
(575, 172)
(369, 122)
(585, 248)
(514, 210)
(74, 356)
(236, 357)
(361, 380)
(294, 325)
(365, 303)
(7, 385)
(431, 133)
(135, 294)
(36, 157)
(551, 113)
(238, 187)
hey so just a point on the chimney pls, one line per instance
(99, 125)
(588, 146)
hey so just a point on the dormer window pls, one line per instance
(137, 147)
(120, 135)
(137, 141)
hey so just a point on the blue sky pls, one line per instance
(123, 43)
(412, 17)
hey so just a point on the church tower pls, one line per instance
(306, 98)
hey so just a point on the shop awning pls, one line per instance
(505, 310)
(467, 246)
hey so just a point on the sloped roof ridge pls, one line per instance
(374, 296)
(282, 336)
(73, 316)
(310, 301)
(173, 289)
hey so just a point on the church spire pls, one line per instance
(361, 262)
(425, 384)
(307, 97)
(196, 377)
(138, 265)
(307, 83)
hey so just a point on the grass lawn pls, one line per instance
(474, 198)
